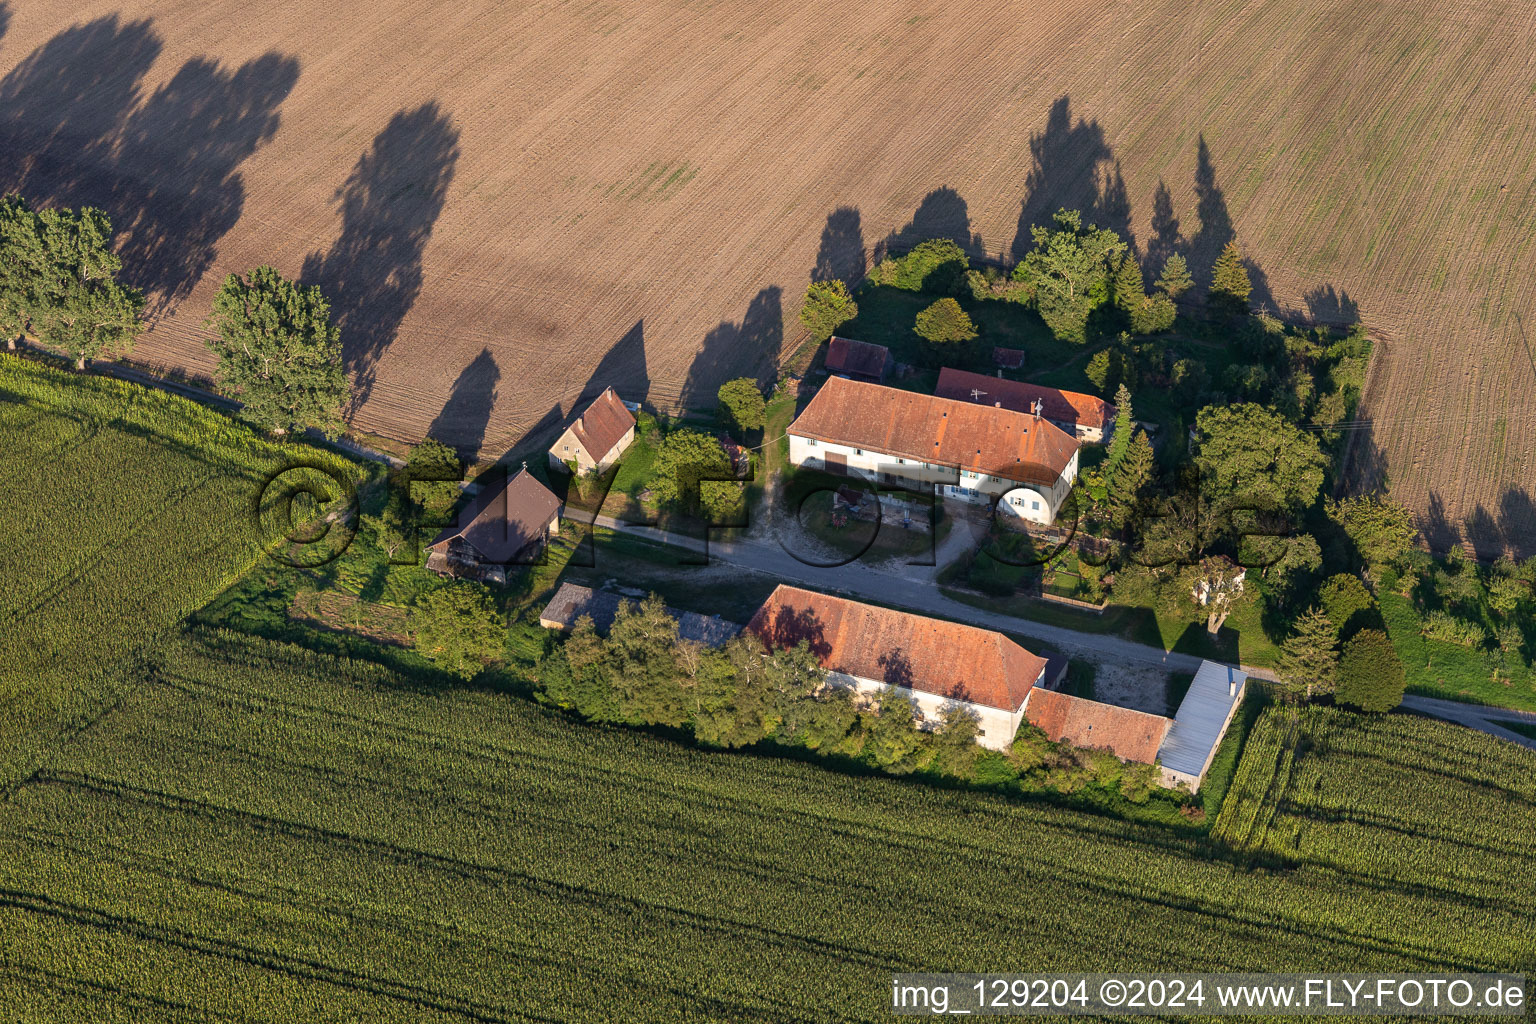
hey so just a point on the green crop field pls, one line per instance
(258, 832)
(1411, 802)
(125, 509)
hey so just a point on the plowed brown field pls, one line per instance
(514, 203)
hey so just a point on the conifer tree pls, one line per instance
(1309, 657)
(1134, 472)
(1130, 292)
(1175, 279)
(1371, 677)
(1125, 423)
(1230, 286)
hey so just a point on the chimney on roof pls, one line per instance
(1037, 408)
(1231, 683)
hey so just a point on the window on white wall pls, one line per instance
(1035, 505)
(811, 441)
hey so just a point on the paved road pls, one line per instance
(1475, 716)
(915, 593)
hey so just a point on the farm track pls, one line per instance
(514, 206)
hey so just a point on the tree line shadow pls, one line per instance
(77, 128)
(1072, 165)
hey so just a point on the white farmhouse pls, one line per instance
(978, 454)
(937, 663)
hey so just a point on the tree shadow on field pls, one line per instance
(5, 17)
(749, 348)
(463, 419)
(178, 188)
(1440, 533)
(841, 256)
(1167, 237)
(1073, 167)
(1510, 530)
(1215, 220)
(64, 106)
(1327, 306)
(624, 367)
(372, 274)
(77, 131)
(943, 213)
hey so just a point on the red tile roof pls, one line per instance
(603, 424)
(1128, 734)
(500, 524)
(1058, 405)
(844, 355)
(926, 428)
(931, 655)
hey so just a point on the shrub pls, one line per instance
(1371, 677)
(937, 265)
(944, 323)
(1453, 629)
(1509, 637)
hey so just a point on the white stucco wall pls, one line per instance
(953, 485)
(998, 727)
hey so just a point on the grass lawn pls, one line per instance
(1437, 669)
(1241, 639)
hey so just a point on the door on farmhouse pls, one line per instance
(837, 462)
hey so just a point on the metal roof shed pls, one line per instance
(1202, 721)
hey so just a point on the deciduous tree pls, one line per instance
(894, 741)
(60, 282)
(279, 351)
(827, 307)
(743, 404)
(1344, 597)
(1252, 457)
(954, 742)
(1069, 272)
(458, 628)
(682, 476)
(1381, 529)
